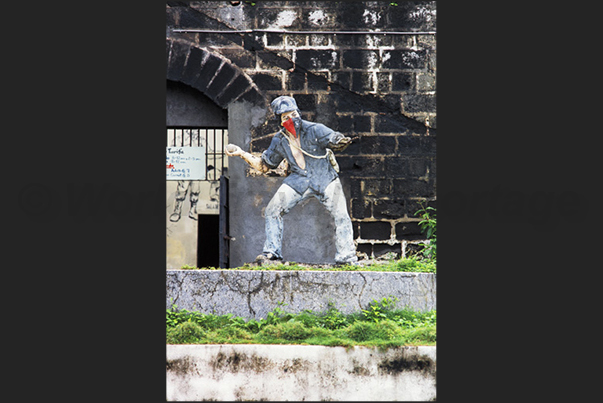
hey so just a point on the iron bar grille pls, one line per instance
(212, 139)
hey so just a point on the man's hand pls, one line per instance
(339, 142)
(233, 150)
(255, 162)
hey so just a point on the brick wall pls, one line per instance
(378, 89)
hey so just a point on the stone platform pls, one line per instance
(251, 294)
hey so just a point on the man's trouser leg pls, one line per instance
(283, 200)
(181, 191)
(195, 189)
(335, 203)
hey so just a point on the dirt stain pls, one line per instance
(235, 362)
(422, 364)
(180, 366)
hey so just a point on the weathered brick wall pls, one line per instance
(378, 89)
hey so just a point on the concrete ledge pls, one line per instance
(252, 294)
(289, 372)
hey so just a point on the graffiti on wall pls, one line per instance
(187, 195)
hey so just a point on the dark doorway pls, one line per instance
(208, 246)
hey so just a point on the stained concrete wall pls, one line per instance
(252, 294)
(286, 372)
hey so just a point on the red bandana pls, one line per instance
(290, 127)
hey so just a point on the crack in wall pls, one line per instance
(179, 277)
(205, 280)
(250, 292)
(253, 294)
(361, 290)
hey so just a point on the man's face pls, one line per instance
(285, 116)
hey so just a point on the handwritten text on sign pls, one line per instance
(185, 163)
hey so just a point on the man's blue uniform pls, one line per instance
(314, 138)
(318, 179)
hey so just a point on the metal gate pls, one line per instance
(224, 224)
(216, 170)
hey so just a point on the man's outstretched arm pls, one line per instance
(253, 161)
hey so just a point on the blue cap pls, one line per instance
(283, 104)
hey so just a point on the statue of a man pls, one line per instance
(307, 147)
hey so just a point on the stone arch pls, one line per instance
(210, 73)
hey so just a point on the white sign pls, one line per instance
(185, 163)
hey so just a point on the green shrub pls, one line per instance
(295, 331)
(253, 326)
(234, 332)
(333, 319)
(362, 331)
(308, 319)
(422, 334)
(287, 331)
(184, 333)
(383, 330)
(270, 332)
(388, 330)
(318, 333)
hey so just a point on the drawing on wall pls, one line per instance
(192, 188)
(196, 206)
(194, 161)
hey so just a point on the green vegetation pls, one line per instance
(428, 226)
(380, 325)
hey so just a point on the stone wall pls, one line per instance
(252, 294)
(377, 88)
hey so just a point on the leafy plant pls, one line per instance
(333, 318)
(428, 225)
(377, 310)
(277, 315)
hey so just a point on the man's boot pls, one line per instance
(175, 216)
(267, 258)
(192, 213)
